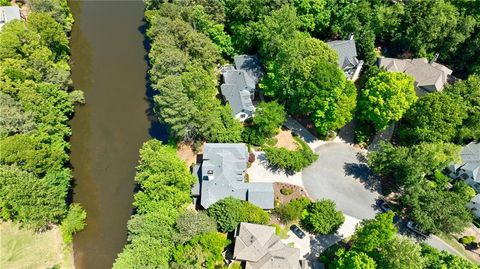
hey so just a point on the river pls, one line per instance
(108, 64)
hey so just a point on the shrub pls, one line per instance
(286, 191)
(293, 210)
(468, 240)
(321, 217)
(294, 160)
(74, 222)
(253, 214)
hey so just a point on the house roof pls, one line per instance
(428, 76)
(471, 159)
(260, 248)
(222, 175)
(237, 90)
(347, 53)
(250, 64)
(9, 13)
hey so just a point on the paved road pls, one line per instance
(340, 174)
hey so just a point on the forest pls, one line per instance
(36, 102)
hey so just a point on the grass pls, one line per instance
(452, 241)
(23, 248)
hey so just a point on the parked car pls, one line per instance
(297, 231)
(414, 227)
(383, 205)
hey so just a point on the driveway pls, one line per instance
(341, 174)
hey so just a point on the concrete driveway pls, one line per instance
(341, 174)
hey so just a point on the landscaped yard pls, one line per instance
(23, 248)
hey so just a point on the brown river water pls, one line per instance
(108, 64)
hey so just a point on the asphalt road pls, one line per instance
(341, 175)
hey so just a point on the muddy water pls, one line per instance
(108, 64)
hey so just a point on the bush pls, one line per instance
(286, 191)
(294, 160)
(293, 210)
(74, 222)
(321, 217)
(229, 212)
(468, 240)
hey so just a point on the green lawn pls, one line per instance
(449, 239)
(25, 249)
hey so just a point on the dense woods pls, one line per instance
(36, 102)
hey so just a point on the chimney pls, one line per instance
(435, 58)
(350, 36)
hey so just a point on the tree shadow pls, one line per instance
(320, 243)
(157, 129)
(271, 168)
(363, 173)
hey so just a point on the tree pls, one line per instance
(203, 251)
(229, 212)
(352, 260)
(433, 118)
(292, 210)
(14, 119)
(435, 259)
(192, 223)
(469, 91)
(437, 210)
(401, 253)
(374, 234)
(408, 166)
(28, 199)
(58, 9)
(321, 217)
(386, 98)
(306, 71)
(51, 33)
(73, 222)
(269, 116)
(434, 26)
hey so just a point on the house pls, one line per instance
(469, 169)
(429, 76)
(9, 13)
(222, 174)
(474, 205)
(258, 247)
(240, 83)
(347, 57)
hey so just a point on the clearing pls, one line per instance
(23, 248)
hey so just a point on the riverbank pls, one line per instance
(23, 248)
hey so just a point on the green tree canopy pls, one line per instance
(374, 234)
(352, 260)
(321, 217)
(386, 97)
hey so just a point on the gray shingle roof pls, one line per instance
(471, 159)
(251, 64)
(260, 248)
(222, 175)
(8, 14)
(347, 55)
(238, 89)
(429, 77)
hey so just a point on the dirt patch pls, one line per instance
(186, 153)
(297, 192)
(24, 248)
(285, 140)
